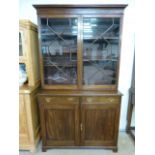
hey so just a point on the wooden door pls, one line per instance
(60, 121)
(23, 128)
(99, 122)
(59, 51)
(100, 42)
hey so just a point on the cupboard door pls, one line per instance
(99, 123)
(100, 51)
(60, 123)
(23, 127)
(59, 51)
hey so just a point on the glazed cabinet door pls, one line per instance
(59, 36)
(59, 121)
(100, 52)
(100, 119)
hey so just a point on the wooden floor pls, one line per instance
(125, 146)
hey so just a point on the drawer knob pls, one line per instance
(111, 100)
(89, 100)
(70, 99)
(47, 100)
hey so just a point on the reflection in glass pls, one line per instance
(59, 50)
(20, 45)
(22, 74)
(100, 50)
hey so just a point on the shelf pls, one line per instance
(53, 82)
(106, 38)
(84, 37)
(64, 34)
(50, 55)
(75, 61)
(66, 63)
(61, 65)
(60, 59)
(99, 60)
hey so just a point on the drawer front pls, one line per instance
(103, 99)
(58, 99)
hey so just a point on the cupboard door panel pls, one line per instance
(61, 124)
(100, 123)
(23, 128)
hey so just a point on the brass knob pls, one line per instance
(70, 99)
(89, 99)
(111, 100)
(48, 99)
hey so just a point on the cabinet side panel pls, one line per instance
(35, 117)
(33, 58)
(23, 130)
(35, 55)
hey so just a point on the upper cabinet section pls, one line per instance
(80, 46)
(28, 54)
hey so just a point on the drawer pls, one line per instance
(58, 99)
(101, 99)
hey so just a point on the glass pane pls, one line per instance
(22, 74)
(22, 67)
(20, 45)
(59, 50)
(100, 50)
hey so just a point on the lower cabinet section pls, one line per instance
(23, 128)
(79, 121)
(29, 128)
